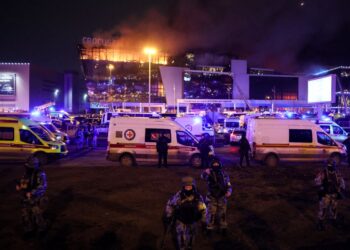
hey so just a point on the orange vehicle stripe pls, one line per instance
(268, 145)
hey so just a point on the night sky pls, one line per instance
(288, 35)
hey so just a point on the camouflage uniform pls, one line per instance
(32, 187)
(219, 188)
(186, 208)
(331, 184)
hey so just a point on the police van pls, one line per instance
(21, 138)
(274, 140)
(132, 140)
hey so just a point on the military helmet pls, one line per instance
(188, 181)
(32, 162)
(216, 164)
(331, 164)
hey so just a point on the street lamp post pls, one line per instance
(55, 95)
(149, 52)
(110, 67)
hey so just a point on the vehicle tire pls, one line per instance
(42, 157)
(271, 160)
(336, 158)
(126, 160)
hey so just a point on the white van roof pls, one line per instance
(144, 121)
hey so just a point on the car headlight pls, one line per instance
(54, 147)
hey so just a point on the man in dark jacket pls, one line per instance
(244, 149)
(204, 149)
(32, 187)
(219, 189)
(162, 149)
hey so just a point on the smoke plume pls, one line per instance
(268, 33)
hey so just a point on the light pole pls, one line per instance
(55, 94)
(110, 67)
(149, 52)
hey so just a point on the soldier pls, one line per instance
(162, 149)
(219, 189)
(244, 149)
(185, 209)
(331, 185)
(32, 187)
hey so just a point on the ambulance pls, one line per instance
(273, 140)
(21, 138)
(132, 140)
(195, 125)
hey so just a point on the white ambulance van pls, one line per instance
(274, 140)
(22, 138)
(195, 125)
(334, 130)
(132, 140)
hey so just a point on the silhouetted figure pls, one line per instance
(204, 148)
(244, 149)
(162, 149)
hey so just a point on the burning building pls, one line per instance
(115, 75)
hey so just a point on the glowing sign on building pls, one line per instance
(7, 84)
(321, 90)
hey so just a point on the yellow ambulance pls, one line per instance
(21, 138)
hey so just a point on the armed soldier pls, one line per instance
(32, 187)
(185, 209)
(331, 186)
(219, 189)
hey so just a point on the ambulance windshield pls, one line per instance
(42, 133)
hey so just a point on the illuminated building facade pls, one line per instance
(14, 87)
(342, 86)
(24, 86)
(114, 75)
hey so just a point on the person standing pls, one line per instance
(94, 136)
(80, 138)
(32, 187)
(219, 189)
(331, 185)
(184, 210)
(244, 149)
(347, 145)
(162, 150)
(204, 149)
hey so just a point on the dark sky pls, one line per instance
(289, 35)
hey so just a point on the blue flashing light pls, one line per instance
(52, 109)
(197, 120)
(303, 116)
(325, 118)
(35, 113)
(289, 114)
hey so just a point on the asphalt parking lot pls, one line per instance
(96, 204)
